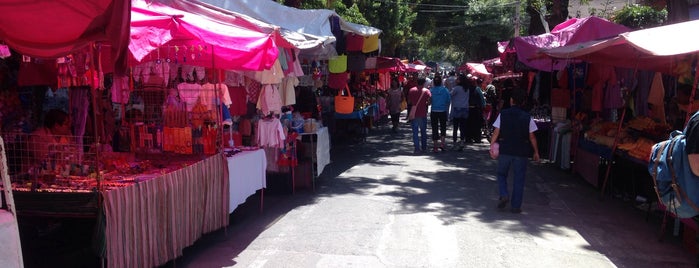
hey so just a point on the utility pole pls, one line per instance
(517, 10)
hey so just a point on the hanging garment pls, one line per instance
(270, 133)
(288, 91)
(238, 100)
(270, 100)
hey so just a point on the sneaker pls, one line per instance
(503, 202)
(516, 210)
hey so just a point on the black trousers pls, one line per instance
(474, 123)
(439, 125)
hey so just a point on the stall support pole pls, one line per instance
(616, 142)
(690, 107)
(611, 156)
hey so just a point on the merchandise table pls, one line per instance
(149, 223)
(246, 173)
(357, 116)
(11, 250)
(320, 150)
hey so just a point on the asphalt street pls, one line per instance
(379, 205)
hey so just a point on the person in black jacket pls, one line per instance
(514, 135)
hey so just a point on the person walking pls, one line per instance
(438, 114)
(394, 100)
(419, 97)
(475, 112)
(515, 140)
(459, 111)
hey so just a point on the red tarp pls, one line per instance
(52, 29)
(571, 31)
(159, 31)
(658, 49)
(386, 64)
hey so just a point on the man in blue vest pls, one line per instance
(514, 133)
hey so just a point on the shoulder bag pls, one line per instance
(413, 108)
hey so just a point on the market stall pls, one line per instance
(246, 173)
(643, 51)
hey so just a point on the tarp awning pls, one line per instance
(658, 48)
(52, 29)
(477, 69)
(159, 31)
(571, 31)
(315, 22)
(285, 37)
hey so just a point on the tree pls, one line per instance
(640, 17)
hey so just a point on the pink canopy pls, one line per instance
(162, 32)
(659, 49)
(477, 69)
(572, 31)
(52, 29)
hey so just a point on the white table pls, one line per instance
(11, 250)
(247, 173)
(321, 151)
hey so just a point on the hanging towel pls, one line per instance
(655, 97)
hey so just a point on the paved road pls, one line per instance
(378, 205)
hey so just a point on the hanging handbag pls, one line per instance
(413, 108)
(337, 64)
(344, 104)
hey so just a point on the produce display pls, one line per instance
(636, 138)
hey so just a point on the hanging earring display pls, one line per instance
(158, 61)
(168, 55)
(192, 55)
(177, 49)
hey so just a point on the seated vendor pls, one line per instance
(46, 141)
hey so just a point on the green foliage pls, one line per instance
(640, 17)
(464, 30)
(313, 4)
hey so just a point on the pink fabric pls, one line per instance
(649, 49)
(270, 100)
(200, 40)
(571, 31)
(73, 25)
(270, 133)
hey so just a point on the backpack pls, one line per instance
(677, 188)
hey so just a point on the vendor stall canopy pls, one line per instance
(477, 69)
(313, 22)
(52, 29)
(663, 49)
(572, 31)
(234, 44)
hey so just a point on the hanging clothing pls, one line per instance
(270, 133)
(253, 89)
(656, 97)
(238, 100)
(189, 93)
(270, 100)
(288, 91)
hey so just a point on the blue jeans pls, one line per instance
(519, 168)
(421, 123)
